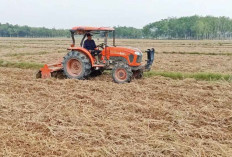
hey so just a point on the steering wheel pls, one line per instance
(101, 45)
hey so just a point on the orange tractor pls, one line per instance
(79, 63)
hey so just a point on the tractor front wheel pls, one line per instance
(76, 65)
(122, 73)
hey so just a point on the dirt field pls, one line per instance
(154, 116)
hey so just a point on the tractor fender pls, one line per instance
(83, 50)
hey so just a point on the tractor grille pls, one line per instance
(131, 58)
(139, 59)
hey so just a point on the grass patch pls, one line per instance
(198, 76)
(10, 46)
(25, 54)
(22, 65)
(199, 53)
(30, 54)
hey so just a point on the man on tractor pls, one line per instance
(89, 43)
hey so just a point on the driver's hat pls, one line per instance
(88, 34)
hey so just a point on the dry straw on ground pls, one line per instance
(148, 117)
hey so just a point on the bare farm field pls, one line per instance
(153, 116)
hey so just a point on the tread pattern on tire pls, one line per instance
(124, 66)
(86, 66)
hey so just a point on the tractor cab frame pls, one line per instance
(83, 31)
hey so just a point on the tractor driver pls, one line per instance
(89, 43)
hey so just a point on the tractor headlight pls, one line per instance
(138, 53)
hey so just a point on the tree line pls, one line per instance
(193, 27)
(9, 30)
(128, 32)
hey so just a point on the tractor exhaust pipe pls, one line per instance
(150, 58)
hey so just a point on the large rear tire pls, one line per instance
(122, 73)
(76, 65)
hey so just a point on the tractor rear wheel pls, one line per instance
(122, 73)
(76, 65)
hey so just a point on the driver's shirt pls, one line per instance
(89, 44)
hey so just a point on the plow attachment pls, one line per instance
(51, 70)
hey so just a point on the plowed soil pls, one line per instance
(154, 116)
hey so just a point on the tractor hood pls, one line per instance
(126, 50)
(133, 56)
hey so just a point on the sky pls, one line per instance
(136, 13)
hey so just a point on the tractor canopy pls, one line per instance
(82, 30)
